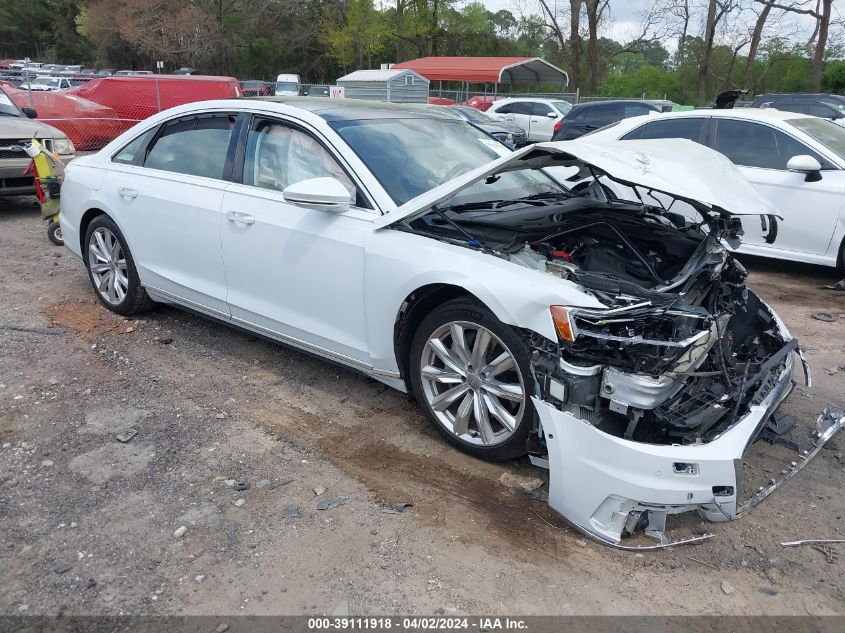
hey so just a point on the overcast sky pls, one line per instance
(626, 18)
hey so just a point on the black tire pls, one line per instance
(54, 234)
(842, 257)
(469, 310)
(136, 298)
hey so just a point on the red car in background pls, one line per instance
(89, 125)
(101, 109)
(138, 97)
(482, 102)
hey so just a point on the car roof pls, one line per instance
(590, 104)
(751, 114)
(357, 109)
(499, 102)
(798, 95)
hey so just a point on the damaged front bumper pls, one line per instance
(610, 486)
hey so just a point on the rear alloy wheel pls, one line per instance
(111, 269)
(470, 375)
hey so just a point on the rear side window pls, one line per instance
(517, 107)
(196, 146)
(793, 106)
(576, 114)
(605, 113)
(693, 129)
(636, 109)
(822, 110)
(756, 145)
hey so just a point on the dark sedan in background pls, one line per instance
(587, 117)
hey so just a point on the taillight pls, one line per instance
(558, 125)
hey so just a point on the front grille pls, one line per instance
(16, 154)
(10, 154)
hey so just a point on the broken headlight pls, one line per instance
(641, 339)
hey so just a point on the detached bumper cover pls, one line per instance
(604, 484)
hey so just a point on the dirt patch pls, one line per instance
(84, 318)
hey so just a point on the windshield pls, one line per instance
(562, 106)
(412, 156)
(287, 86)
(7, 106)
(45, 81)
(823, 131)
(473, 116)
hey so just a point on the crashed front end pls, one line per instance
(628, 445)
(662, 368)
(647, 407)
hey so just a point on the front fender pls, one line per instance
(399, 263)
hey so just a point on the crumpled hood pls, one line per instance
(676, 167)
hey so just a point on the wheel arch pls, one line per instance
(413, 310)
(85, 222)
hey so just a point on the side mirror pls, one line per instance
(807, 165)
(324, 194)
(551, 115)
(30, 113)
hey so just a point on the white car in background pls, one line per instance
(46, 84)
(540, 118)
(287, 85)
(796, 161)
(614, 342)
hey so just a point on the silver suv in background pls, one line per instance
(17, 127)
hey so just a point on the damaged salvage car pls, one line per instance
(527, 307)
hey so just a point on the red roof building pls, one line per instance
(514, 71)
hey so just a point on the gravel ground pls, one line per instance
(92, 525)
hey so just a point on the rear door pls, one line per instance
(166, 188)
(517, 112)
(593, 118)
(810, 210)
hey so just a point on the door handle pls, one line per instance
(240, 218)
(128, 193)
(535, 120)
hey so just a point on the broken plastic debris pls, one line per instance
(126, 435)
(291, 512)
(330, 503)
(524, 483)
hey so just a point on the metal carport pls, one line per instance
(513, 71)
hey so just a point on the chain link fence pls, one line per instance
(92, 110)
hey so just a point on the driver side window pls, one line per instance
(279, 155)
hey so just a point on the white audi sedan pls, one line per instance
(616, 343)
(794, 160)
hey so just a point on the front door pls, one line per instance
(542, 125)
(295, 272)
(810, 210)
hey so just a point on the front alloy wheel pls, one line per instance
(469, 375)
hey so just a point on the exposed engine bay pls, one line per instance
(683, 347)
(661, 368)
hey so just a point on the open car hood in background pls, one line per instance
(678, 168)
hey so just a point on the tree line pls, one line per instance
(685, 49)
